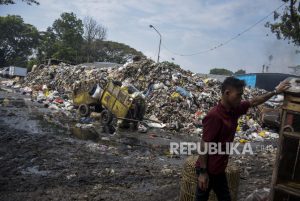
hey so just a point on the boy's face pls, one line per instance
(233, 96)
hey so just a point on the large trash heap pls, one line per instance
(176, 97)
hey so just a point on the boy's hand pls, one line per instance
(283, 86)
(203, 180)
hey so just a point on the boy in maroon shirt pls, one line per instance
(219, 126)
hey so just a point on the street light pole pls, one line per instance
(151, 26)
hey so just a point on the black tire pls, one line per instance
(84, 110)
(106, 117)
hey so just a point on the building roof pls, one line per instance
(295, 67)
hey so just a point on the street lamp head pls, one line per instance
(151, 26)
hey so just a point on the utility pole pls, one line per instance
(151, 26)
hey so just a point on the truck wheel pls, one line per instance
(106, 117)
(109, 129)
(84, 110)
(98, 108)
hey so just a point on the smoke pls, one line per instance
(280, 55)
(270, 58)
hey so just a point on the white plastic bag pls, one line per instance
(97, 92)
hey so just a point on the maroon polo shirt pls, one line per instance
(220, 125)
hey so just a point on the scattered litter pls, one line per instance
(35, 170)
(177, 98)
(259, 195)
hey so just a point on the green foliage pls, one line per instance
(287, 24)
(67, 54)
(47, 45)
(29, 2)
(30, 63)
(17, 40)
(69, 30)
(167, 63)
(62, 41)
(240, 72)
(220, 71)
(68, 41)
(109, 51)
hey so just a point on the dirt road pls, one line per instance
(40, 160)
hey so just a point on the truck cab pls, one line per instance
(14, 71)
(5, 72)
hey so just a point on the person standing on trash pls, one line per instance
(219, 126)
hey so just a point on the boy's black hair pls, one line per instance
(232, 82)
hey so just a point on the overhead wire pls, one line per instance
(227, 41)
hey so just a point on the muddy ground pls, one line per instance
(40, 160)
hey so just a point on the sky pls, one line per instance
(186, 26)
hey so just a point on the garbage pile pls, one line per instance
(179, 98)
(173, 95)
(53, 85)
(64, 78)
(250, 130)
(176, 97)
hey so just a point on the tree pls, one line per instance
(68, 31)
(29, 2)
(48, 45)
(240, 72)
(92, 32)
(65, 40)
(109, 51)
(287, 24)
(30, 63)
(220, 71)
(17, 40)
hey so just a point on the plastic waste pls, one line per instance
(173, 94)
(259, 195)
(183, 92)
(158, 86)
(142, 128)
(86, 120)
(97, 92)
(156, 125)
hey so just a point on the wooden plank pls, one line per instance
(278, 154)
(287, 189)
(296, 161)
(292, 98)
(291, 106)
(292, 135)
